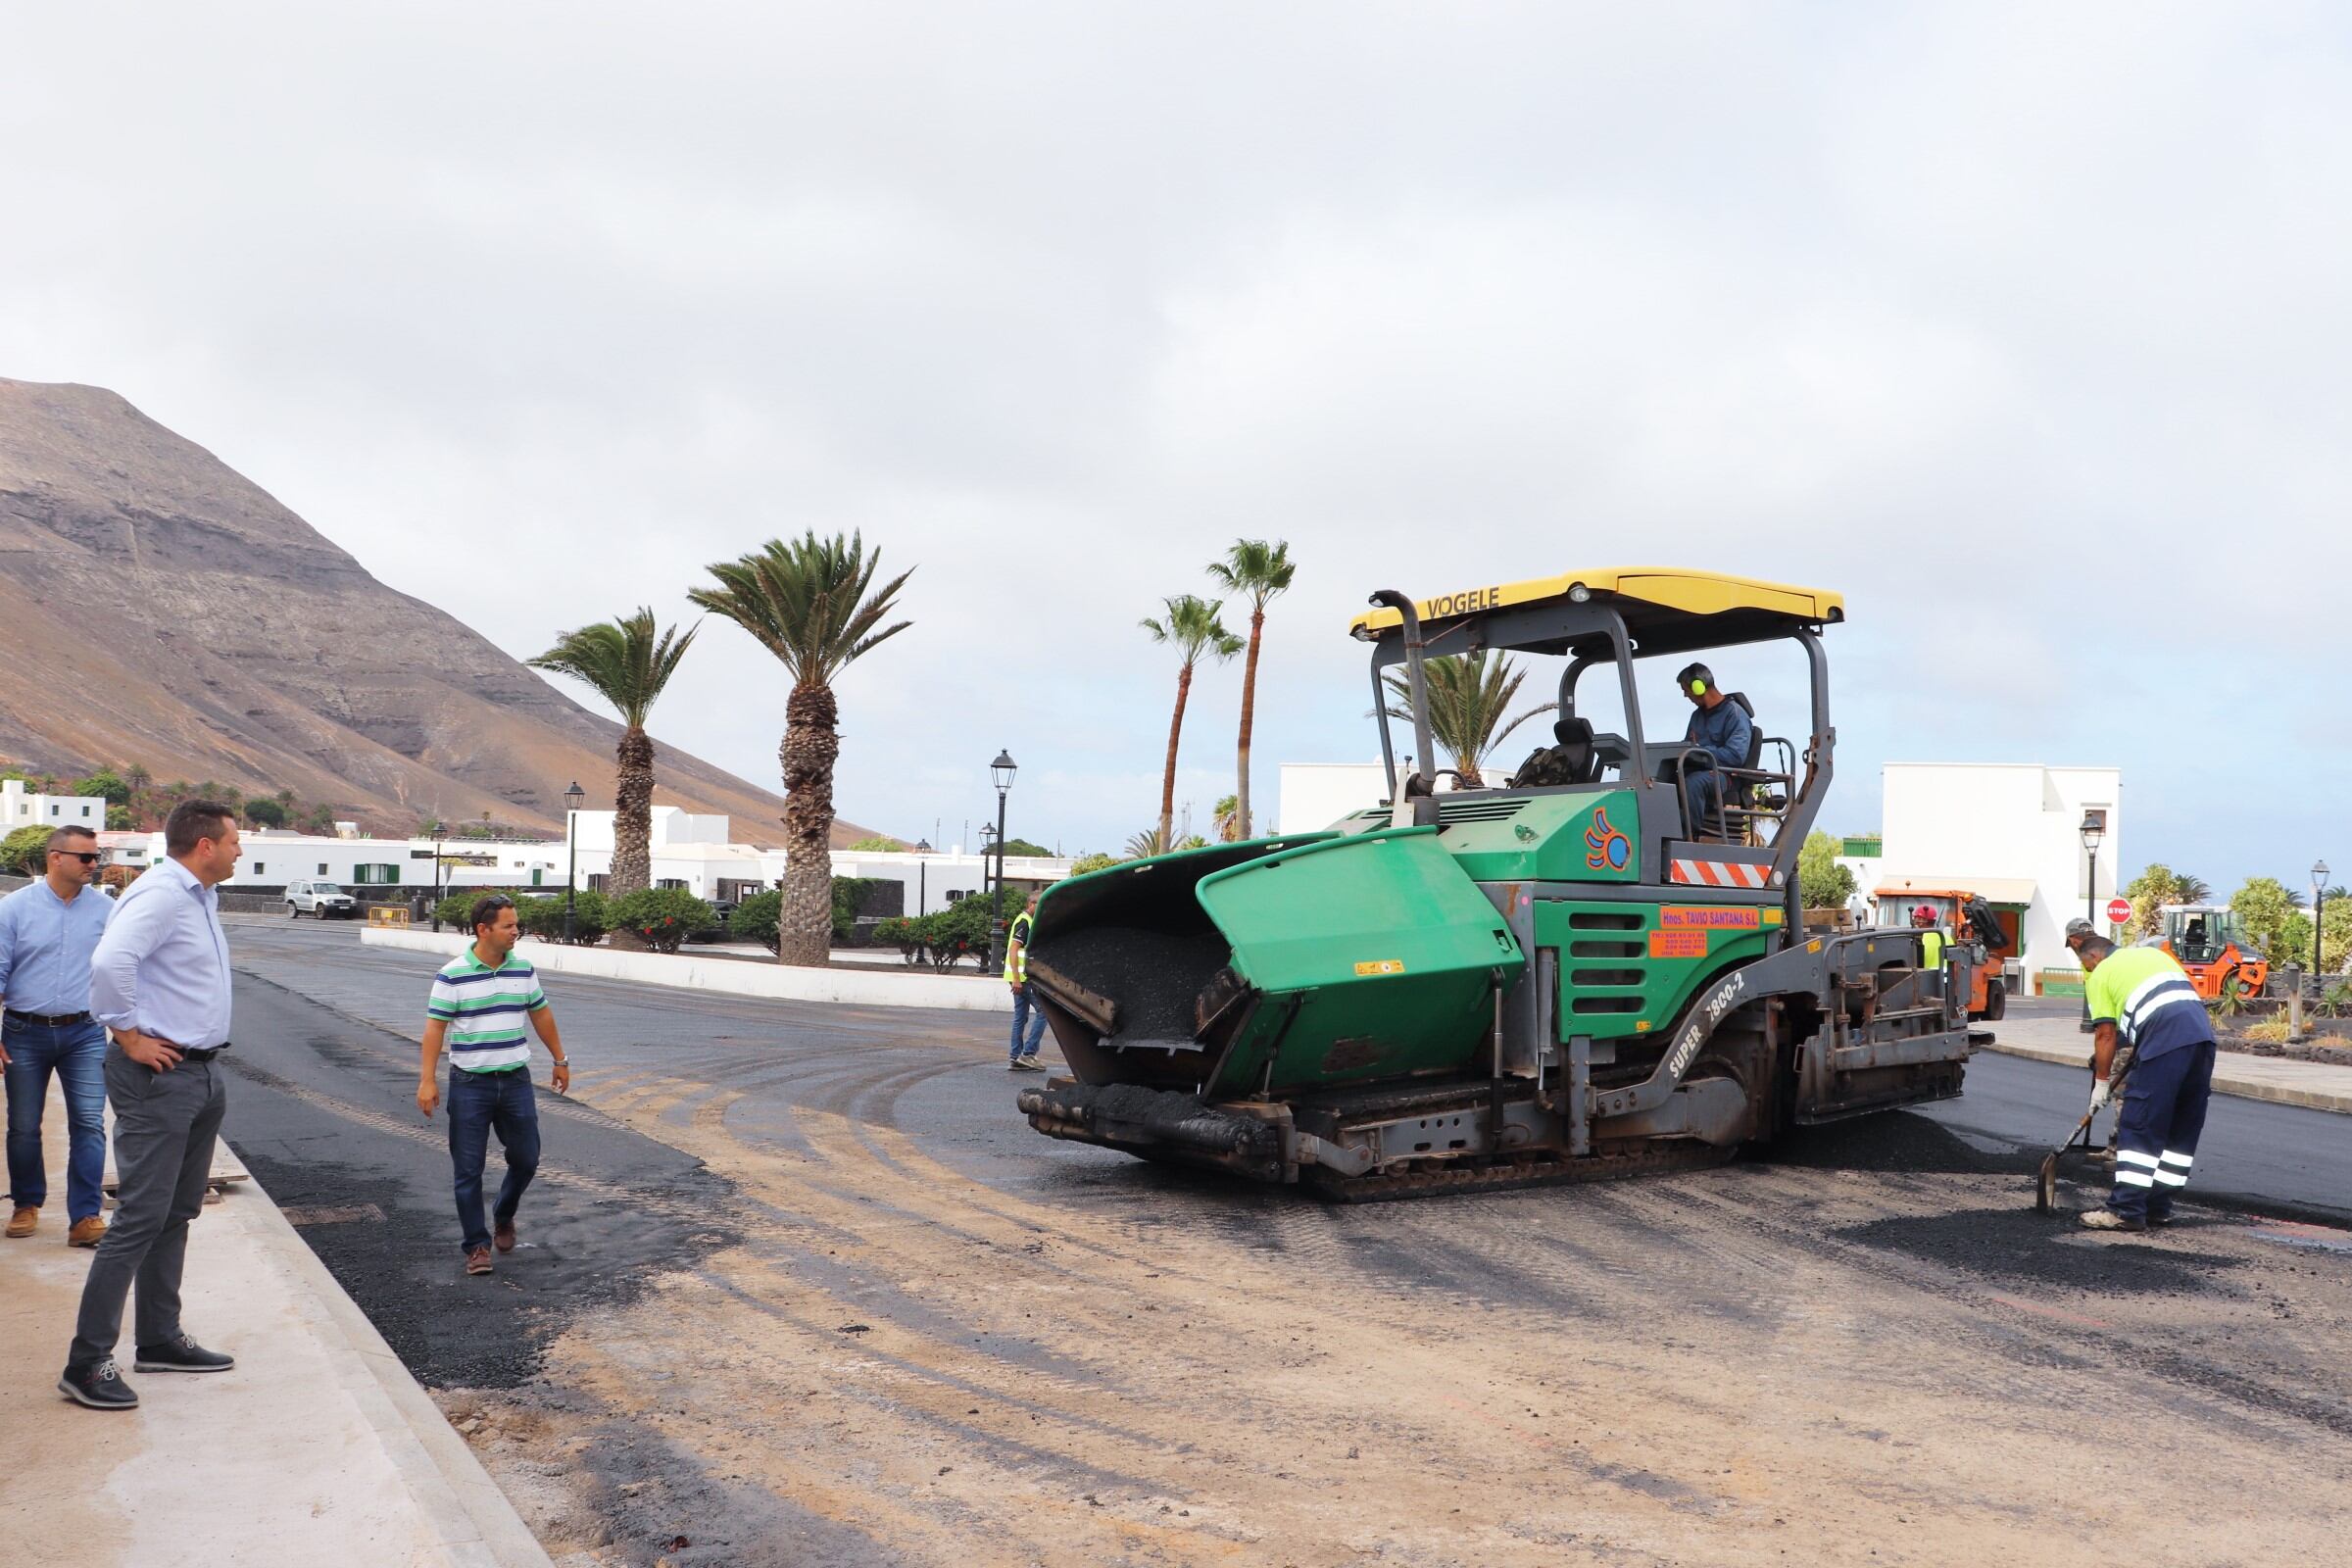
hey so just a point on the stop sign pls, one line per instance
(2118, 910)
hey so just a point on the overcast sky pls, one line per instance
(2024, 326)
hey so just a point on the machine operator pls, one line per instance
(1723, 733)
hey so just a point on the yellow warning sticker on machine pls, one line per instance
(1381, 966)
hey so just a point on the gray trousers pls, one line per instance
(164, 1123)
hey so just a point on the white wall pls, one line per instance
(274, 859)
(1314, 795)
(1955, 821)
(21, 809)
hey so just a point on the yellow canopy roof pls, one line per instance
(1666, 588)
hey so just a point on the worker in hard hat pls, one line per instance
(2139, 997)
(1930, 947)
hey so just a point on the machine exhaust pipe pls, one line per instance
(1416, 675)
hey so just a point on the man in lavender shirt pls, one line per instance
(160, 982)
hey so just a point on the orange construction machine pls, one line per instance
(1963, 916)
(2208, 941)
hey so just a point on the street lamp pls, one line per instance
(2094, 828)
(572, 798)
(2319, 908)
(1000, 771)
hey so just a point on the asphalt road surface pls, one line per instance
(798, 1286)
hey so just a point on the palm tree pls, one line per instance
(1229, 819)
(815, 605)
(1263, 572)
(1467, 697)
(629, 664)
(1195, 630)
(1145, 845)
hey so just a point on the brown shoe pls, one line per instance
(20, 1224)
(504, 1236)
(478, 1261)
(87, 1232)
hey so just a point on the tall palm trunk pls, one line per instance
(1167, 779)
(633, 813)
(1257, 626)
(811, 747)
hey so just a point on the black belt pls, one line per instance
(204, 1056)
(55, 1020)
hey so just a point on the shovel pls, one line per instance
(2046, 1187)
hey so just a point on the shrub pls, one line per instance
(591, 917)
(2268, 1032)
(757, 918)
(457, 910)
(26, 851)
(661, 918)
(1096, 861)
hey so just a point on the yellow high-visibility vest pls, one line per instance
(1931, 942)
(1016, 949)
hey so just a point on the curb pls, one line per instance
(476, 1524)
(728, 976)
(2224, 1082)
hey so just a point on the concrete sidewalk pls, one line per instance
(318, 1448)
(2313, 1085)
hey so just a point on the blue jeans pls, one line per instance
(1027, 1016)
(478, 1104)
(76, 1053)
(2156, 1135)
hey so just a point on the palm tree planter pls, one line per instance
(1194, 629)
(628, 665)
(815, 605)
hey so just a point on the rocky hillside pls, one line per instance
(158, 608)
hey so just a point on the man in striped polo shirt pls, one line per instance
(2141, 997)
(480, 999)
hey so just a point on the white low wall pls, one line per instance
(865, 988)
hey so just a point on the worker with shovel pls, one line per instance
(2139, 998)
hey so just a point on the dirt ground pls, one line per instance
(1871, 1352)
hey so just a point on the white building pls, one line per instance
(694, 852)
(273, 859)
(20, 808)
(2010, 833)
(1314, 795)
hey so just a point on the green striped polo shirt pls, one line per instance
(486, 1011)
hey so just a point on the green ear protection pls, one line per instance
(1698, 688)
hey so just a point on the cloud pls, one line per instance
(2023, 326)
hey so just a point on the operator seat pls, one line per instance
(1569, 760)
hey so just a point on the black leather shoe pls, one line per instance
(182, 1354)
(100, 1387)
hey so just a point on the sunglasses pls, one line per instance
(74, 855)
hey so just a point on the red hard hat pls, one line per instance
(1923, 913)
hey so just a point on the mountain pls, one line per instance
(158, 608)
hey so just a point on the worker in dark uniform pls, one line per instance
(2141, 997)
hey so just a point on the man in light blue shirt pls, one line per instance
(48, 930)
(160, 981)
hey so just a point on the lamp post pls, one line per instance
(1000, 771)
(572, 798)
(2093, 829)
(436, 882)
(2318, 908)
(922, 870)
